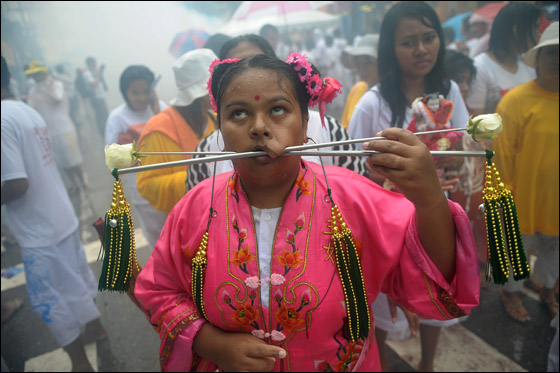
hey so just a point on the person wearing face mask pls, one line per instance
(124, 125)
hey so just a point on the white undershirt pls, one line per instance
(266, 221)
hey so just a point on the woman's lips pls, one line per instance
(422, 64)
(264, 159)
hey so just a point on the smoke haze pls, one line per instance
(117, 34)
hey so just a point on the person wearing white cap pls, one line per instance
(179, 128)
(363, 59)
(527, 154)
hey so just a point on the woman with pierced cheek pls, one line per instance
(290, 254)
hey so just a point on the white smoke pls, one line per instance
(117, 34)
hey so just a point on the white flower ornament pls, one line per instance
(120, 156)
(485, 126)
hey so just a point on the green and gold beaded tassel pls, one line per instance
(118, 243)
(350, 272)
(198, 271)
(496, 195)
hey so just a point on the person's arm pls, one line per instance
(14, 189)
(406, 161)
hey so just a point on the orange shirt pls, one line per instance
(166, 132)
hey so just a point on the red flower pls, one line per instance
(290, 237)
(300, 222)
(303, 185)
(289, 259)
(288, 317)
(315, 85)
(242, 234)
(306, 298)
(245, 314)
(226, 297)
(242, 256)
(330, 90)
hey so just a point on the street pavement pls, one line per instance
(487, 341)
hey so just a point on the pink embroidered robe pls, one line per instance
(306, 314)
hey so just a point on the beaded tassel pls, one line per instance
(350, 272)
(119, 263)
(493, 198)
(198, 270)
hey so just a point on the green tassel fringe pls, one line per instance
(496, 250)
(517, 256)
(198, 271)
(116, 270)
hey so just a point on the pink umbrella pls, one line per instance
(186, 41)
(252, 15)
(489, 11)
(257, 9)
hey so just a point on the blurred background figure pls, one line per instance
(49, 98)
(124, 125)
(216, 41)
(60, 284)
(527, 152)
(271, 34)
(93, 75)
(179, 128)
(73, 99)
(363, 59)
(500, 69)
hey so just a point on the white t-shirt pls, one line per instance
(492, 81)
(119, 121)
(373, 114)
(123, 117)
(44, 215)
(89, 77)
(51, 101)
(266, 221)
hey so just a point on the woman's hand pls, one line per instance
(406, 161)
(236, 352)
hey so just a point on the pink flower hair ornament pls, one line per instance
(213, 65)
(321, 91)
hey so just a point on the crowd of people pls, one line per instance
(389, 230)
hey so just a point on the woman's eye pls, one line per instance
(408, 43)
(278, 110)
(430, 38)
(239, 114)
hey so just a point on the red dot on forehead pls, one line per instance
(257, 97)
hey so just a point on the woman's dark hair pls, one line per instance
(224, 73)
(387, 63)
(216, 42)
(254, 39)
(132, 73)
(197, 116)
(456, 62)
(514, 25)
(5, 80)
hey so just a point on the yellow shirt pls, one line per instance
(166, 132)
(357, 91)
(527, 155)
